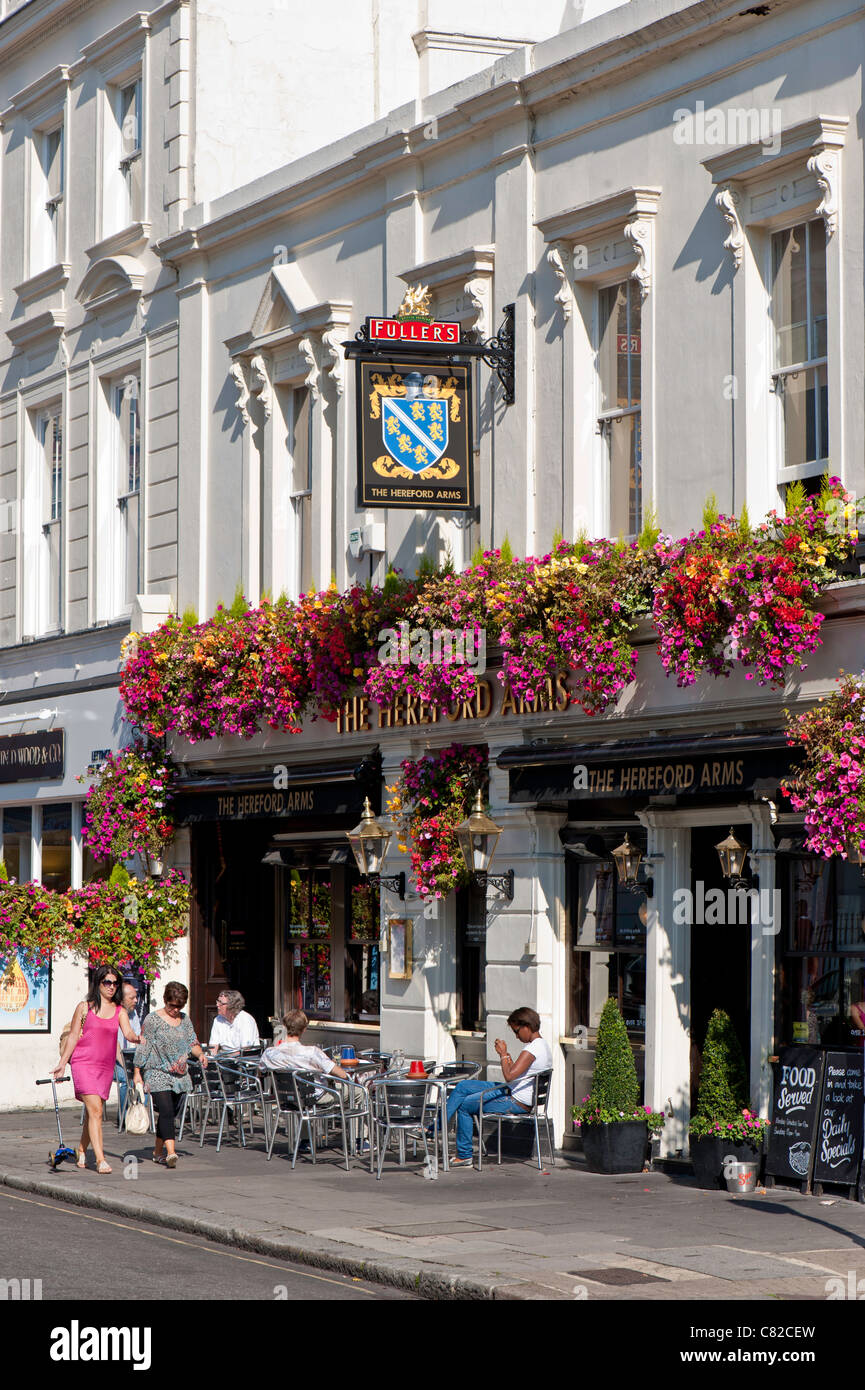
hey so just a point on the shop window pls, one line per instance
(57, 846)
(823, 963)
(310, 930)
(362, 960)
(607, 947)
(800, 355)
(620, 373)
(17, 823)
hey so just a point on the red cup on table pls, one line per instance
(416, 1069)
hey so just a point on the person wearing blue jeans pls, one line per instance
(130, 1004)
(464, 1101)
(511, 1098)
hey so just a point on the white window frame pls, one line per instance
(44, 524)
(607, 417)
(47, 208)
(113, 495)
(122, 150)
(760, 193)
(301, 516)
(588, 249)
(788, 473)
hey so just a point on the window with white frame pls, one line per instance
(619, 422)
(300, 450)
(43, 527)
(799, 322)
(127, 472)
(47, 242)
(118, 504)
(124, 156)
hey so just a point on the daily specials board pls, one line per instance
(839, 1130)
(795, 1112)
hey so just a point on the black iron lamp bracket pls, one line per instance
(394, 883)
(503, 883)
(647, 887)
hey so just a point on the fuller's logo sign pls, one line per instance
(411, 331)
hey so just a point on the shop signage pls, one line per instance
(411, 331)
(414, 431)
(714, 773)
(361, 715)
(413, 385)
(795, 1113)
(839, 1131)
(265, 803)
(36, 757)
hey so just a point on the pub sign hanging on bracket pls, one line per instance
(414, 408)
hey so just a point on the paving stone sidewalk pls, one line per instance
(506, 1233)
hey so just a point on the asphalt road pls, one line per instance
(82, 1255)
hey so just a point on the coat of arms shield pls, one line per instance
(414, 427)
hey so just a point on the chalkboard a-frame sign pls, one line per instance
(795, 1110)
(839, 1132)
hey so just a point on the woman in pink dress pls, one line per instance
(90, 1050)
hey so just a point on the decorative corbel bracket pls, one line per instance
(311, 380)
(261, 386)
(332, 343)
(242, 400)
(825, 166)
(639, 234)
(559, 257)
(728, 200)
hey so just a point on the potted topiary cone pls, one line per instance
(613, 1126)
(723, 1124)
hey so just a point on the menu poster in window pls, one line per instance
(795, 1111)
(25, 996)
(839, 1137)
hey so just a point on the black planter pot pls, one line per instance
(708, 1154)
(615, 1148)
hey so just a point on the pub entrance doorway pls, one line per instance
(720, 950)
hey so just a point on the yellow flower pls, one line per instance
(803, 545)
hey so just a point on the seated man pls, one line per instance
(293, 1055)
(464, 1100)
(232, 1028)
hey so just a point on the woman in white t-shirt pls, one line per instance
(464, 1100)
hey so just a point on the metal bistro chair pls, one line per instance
(194, 1101)
(239, 1090)
(304, 1098)
(534, 1116)
(405, 1108)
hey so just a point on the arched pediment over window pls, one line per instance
(110, 281)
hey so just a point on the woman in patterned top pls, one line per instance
(167, 1039)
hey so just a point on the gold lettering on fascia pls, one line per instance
(251, 804)
(408, 710)
(657, 778)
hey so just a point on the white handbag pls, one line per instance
(137, 1117)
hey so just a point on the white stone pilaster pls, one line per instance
(668, 976)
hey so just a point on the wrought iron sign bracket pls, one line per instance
(502, 883)
(497, 352)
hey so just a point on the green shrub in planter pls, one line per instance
(615, 1091)
(723, 1122)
